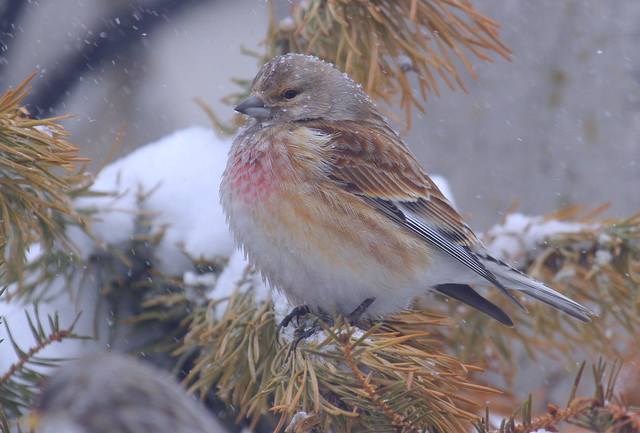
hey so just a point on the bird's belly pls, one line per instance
(330, 256)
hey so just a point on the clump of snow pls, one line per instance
(564, 274)
(44, 129)
(175, 182)
(604, 238)
(496, 420)
(603, 257)
(281, 305)
(443, 185)
(34, 252)
(238, 273)
(405, 62)
(520, 233)
(296, 420)
(287, 24)
(208, 279)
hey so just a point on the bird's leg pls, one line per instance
(302, 333)
(295, 313)
(355, 315)
(325, 317)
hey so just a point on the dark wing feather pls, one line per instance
(370, 160)
(466, 294)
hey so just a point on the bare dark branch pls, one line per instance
(114, 39)
(10, 13)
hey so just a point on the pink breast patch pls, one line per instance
(253, 179)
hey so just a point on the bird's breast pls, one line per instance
(303, 231)
(251, 176)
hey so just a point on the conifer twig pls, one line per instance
(397, 419)
(600, 413)
(55, 336)
(37, 178)
(19, 382)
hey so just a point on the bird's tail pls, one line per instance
(514, 279)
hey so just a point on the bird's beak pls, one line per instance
(254, 107)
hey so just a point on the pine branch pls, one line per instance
(409, 384)
(4, 422)
(601, 413)
(596, 264)
(372, 392)
(48, 340)
(18, 383)
(35, 202)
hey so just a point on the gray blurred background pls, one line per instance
(559, 124)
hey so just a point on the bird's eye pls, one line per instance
(289, 93)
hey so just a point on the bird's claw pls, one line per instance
(295, 313)
(302, 333)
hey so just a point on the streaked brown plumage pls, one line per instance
(332, 207)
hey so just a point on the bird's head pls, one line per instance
(297, 87)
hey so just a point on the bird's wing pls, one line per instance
(370, 161)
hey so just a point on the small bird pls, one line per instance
(334, 210)
(109, 393)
